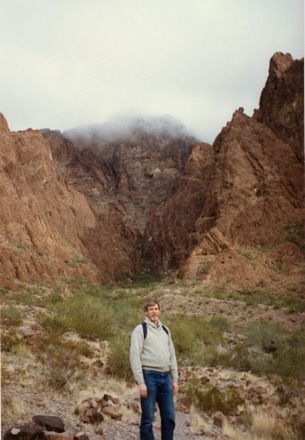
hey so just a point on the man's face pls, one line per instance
(153, 313)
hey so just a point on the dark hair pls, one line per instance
(151, 302)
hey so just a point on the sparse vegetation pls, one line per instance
(90, 317)
(220, 322)
(10, 339)
(194, 338)
(11, 316)
(61, 364)
(246, 252)
(295, 234)
(118, 357)
(294, 301)
(269, 350)
(208, 398)
(72, 325)
(263, 426)
(76, 261)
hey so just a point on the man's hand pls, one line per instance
(142, 390)
(175, 388)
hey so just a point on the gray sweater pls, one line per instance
(156, 352)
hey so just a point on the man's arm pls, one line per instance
(173, 365)
(136, 347)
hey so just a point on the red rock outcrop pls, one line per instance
(256, 194)
(48, 229)
(281, 105)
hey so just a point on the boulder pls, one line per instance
(50, 423)
(25, 432)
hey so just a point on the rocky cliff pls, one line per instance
(48, 228)
(103, 202)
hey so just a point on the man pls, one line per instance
(154, 366)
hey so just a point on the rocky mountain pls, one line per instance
(105, 201)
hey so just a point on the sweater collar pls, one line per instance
(149, 322)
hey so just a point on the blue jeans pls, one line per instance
(160, 390)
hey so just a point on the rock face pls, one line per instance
(129, 182)
(170, 235)
(102, 202)
(48, 228)
(282, 101)
(256, 193)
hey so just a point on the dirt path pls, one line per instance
(130, 431)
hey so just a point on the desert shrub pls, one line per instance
(239, 359)
(220, 322)
(290, 358)
(10, 339)
(126, 310)
(295, 234)
(118, 358)
(33, 295)
(11, 316)
(246, 252)
(267, 335)
(295, 302)
(268, 350)
(258, 295)
(61, 363)
(123, 303)
(191, 337)
(81, 348)
(208, 398)
(263, 340)
(52, 323)
(90, 317)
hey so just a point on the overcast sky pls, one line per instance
(66, 63)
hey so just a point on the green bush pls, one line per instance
(81, 348)
(11, 316)
(289, 361)
(61, 363)
(268, 350)
(238, 358)
(53, 324)
(90, 317)
(192, 337)
(210, 399)
(118, 358)
(10, 339)
(220, 322)
(266, 335)
(123, 303)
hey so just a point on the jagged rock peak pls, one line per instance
(279, 63)
(3, 124)
(281, 105)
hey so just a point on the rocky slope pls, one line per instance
(104, 201)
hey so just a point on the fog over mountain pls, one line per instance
(121, 127)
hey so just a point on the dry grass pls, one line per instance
(264, 427)
(197, 422)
